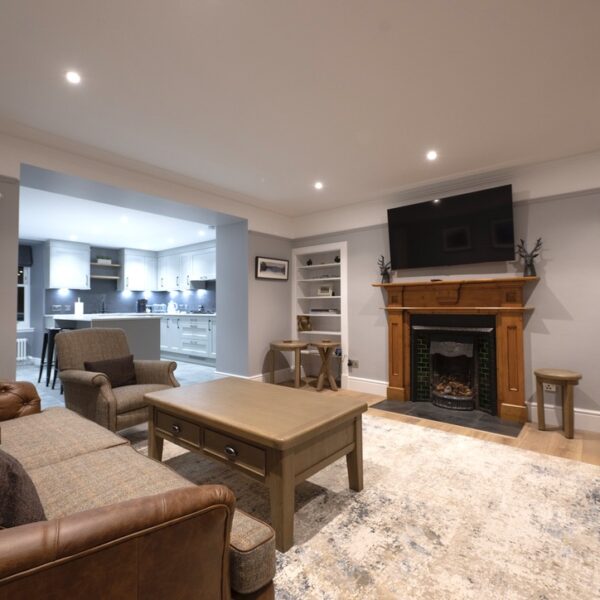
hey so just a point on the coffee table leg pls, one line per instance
(155, 442)
(354, 459)
(281, 489)
(297, 366)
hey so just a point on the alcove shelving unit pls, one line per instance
(320, 292)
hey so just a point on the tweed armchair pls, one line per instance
(90, 394)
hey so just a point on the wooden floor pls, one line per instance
(585, 446)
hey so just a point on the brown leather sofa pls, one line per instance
(119, 524)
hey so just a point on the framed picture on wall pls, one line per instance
(271, 268)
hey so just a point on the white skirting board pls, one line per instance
(280, 375)
(368, 386)
(585, 419)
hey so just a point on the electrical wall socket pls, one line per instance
(549, 387)
(353, 363)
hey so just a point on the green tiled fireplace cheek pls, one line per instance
(422, 369)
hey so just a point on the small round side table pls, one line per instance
(294, 346)
(567, 381)
(325, 348)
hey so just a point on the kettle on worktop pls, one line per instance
(172, 307)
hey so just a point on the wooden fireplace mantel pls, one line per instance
(501, 296)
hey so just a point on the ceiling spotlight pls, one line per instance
(432, 155)
(73, 237)
(436, 201)
(318, 185)
(201, 232)
(124, 219)
(73, 77)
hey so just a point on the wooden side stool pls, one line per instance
(566, 380)
(325, 348)
(294, 346)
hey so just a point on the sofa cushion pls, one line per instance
(120, 371)
(252, 553)
(19, 500)
(131, 397)
(54, 435)
(101, 478)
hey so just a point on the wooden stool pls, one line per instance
(567, 380)
(325, 348)
(294, 346)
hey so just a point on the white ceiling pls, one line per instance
(46, 215)
(265, 97)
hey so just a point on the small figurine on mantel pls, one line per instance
(384, 269)
(528, 257)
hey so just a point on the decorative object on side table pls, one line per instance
(271, 268)
(304, 323)
(528, 257)
(384, 269)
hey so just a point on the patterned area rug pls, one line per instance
(442, 516)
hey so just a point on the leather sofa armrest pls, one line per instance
(156, 371)
(89, 378)
(165, 534)
(18, 399)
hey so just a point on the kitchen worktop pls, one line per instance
(123, 316)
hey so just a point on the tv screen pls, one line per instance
(470, 228)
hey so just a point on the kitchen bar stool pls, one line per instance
(47, 357)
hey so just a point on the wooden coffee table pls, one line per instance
(276, 435)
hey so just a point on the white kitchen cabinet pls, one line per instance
(204, 264)
(185, 271)
(168, 273)
(170, 334)
(190, 335)
(138, 270)
(67, 265)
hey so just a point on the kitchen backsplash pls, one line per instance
(58, 302)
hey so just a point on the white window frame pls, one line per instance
(25, 324)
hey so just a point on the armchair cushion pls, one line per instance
(19, 500)
(131, 397)
(120, 371)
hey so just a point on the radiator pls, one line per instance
(21, 348)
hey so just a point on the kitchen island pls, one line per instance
(142, 330)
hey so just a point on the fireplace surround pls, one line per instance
(499, 299)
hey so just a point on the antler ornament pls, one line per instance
(384, 269)
(528, 257)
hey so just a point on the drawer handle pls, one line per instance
(231, 451)
(176, 428)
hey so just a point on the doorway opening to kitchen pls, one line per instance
(92, 255)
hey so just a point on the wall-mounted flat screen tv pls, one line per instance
(469, 228)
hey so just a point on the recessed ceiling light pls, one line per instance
(201, 232)
(318, 185)
(432, 155)
(73, 77)
(73, 237)
(171, 240)
(436, 201)
(124, 219)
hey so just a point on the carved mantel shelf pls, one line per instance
(501, 296)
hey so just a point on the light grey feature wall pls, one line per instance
(564, 327)
(367, 326)
(9, 244)
(269, 303)
(232, 302)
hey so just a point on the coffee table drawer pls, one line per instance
(188, 432)
(244, 455)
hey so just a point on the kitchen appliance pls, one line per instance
(159, 308)
(142, 305)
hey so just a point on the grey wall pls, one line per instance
(9, 234)
(561, 332)
(269, 302)
(232, 303)
(37, 293)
